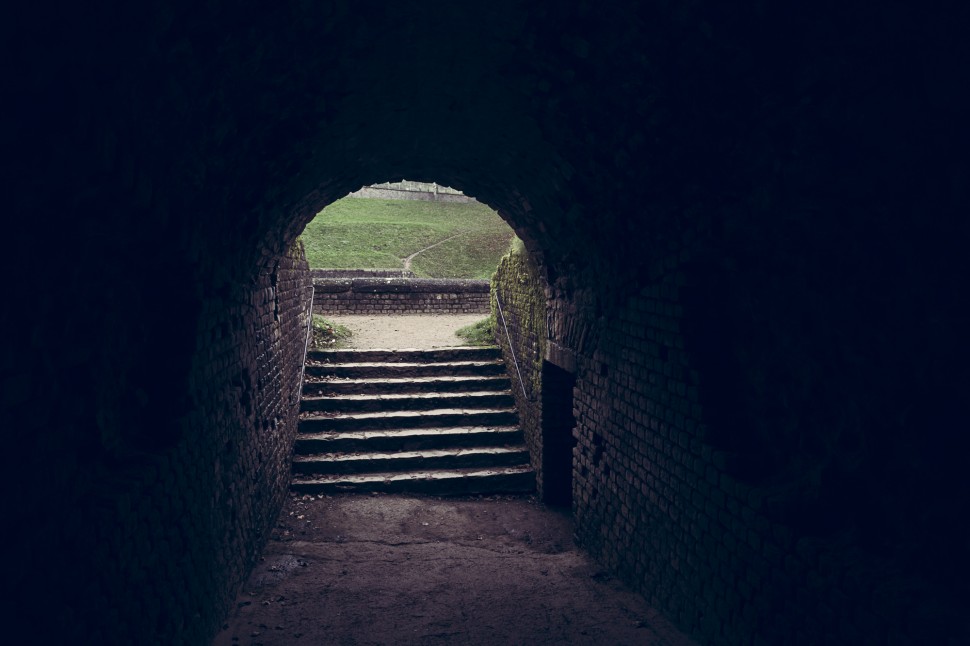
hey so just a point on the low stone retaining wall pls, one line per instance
(361, 273)
(398, 194)
(400, 296)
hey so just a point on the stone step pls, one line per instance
(406, 369)
(436, 355)
(516, 479)
(440, 417)
(420, 421)
(322, 386)
(407, 402)
(450, 458)
(413, 439)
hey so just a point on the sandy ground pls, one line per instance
(406, 331)
(392, 569)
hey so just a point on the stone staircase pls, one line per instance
(418, 421)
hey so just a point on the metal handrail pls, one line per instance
(511, 349)
(306, 342)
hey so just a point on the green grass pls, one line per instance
(361, 233)
(479, 333)
(327, 334)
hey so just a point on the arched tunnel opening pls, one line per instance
(744, 238)
(420, 230)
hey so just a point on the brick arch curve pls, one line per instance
(511, 205)
(750, 198)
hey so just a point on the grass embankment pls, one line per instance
(327, 334)
(355, 233)
(478, 333)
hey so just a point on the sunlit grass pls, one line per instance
(327, 334)
(362, 233)
(479, 333)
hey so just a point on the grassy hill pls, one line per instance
(361, 233)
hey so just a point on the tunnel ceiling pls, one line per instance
(199, 140)
(257, 117)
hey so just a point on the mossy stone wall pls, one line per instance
(516, 286)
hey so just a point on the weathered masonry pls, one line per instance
(741, 308)
(407, 190)
(404, 295)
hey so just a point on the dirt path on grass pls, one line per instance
(407, 261)
(406, 330)
(386, 569)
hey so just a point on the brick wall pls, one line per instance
(247, 380)
(516, 286)
(185, 479)
(361, 273)
(677, 499)
(400, 296)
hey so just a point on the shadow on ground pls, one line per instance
(395, 569)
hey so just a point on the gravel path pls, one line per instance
(406, 331)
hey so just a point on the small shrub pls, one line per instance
(479, 333)
(327, 334)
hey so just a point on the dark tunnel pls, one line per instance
(747, 233)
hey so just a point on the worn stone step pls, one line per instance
(408, 402)
(406, 369)
(432, 421)
(436, 355)
(450, 458)
(323, 386)
(441, 417)
(517, 479)
(413, 439)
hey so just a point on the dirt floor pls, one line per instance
(406, 330)
(394, 569)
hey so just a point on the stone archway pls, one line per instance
(675, 164)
